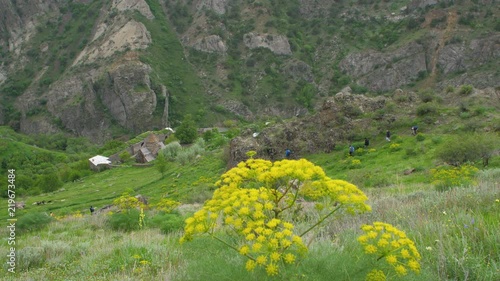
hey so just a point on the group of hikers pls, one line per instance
(414, 129)
(414, 132)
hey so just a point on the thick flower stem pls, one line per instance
(229, 245)
(320, 221)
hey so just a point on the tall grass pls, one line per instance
(455, 231)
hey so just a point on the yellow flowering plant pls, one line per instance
(167, 205)
(255, 202)
(392, 246)
(444, 178)
(127, 202)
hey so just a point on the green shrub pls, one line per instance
(427, 96)
(167, 223)
(445, 178)
(468, 148)
(30, 258)
(187, 132)
(125, 156)
(426, 109)
(49, 182)
(125, 221)
(32, 221)
(410, 151)
(420, 137)
(186, 155)
(161, 164)
(171, 150)
(465, 90)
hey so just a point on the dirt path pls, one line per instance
(451, 23)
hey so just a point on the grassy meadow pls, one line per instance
(454, 229)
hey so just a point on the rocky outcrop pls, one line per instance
(218, 6)
(139, 5)
(72, 102)
(210, 44)
(460, 57)
(415, 4)
(20, 19)
(297, 69)
(314, 8)
(278, 44)
(237, 108)
(128, 96)
(321, 132)
(385, 71)
(132, 35)
(3, 76)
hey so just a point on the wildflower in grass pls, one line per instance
(376, 275)
(257, 202)
(77, 215)
(395, 146)
(166, 205)
(127, 202)
(388, 243)
(355, 163)
(444, 178)
(141, 218)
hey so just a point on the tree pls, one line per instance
(161, 163)
(468, 148)
(187, 132)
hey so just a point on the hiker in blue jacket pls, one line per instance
(351, 150)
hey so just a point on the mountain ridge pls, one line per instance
(116, 67)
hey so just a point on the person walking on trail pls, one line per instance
(414, 130)
(288, 152)
(367, 142)
(92, 210)
(388, 135)
(351, 150)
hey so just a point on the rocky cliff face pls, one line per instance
(385, 71)
(88, 100)
(249, 60)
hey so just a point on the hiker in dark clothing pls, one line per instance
(367, 142)
(288, 152)
(92, 210)
(388, 136)
(414, 130)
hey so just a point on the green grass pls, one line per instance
(189, 183)
(455, 232)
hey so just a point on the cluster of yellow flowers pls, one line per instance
(376, 275)
(140, 264)
(387, 242)
(127, 202)
(456, 176)
(167, 205)
(395, 146)
(141, 218)
(255, 200)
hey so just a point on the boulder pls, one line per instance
(278, 44)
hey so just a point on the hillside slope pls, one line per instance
(119, 67)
